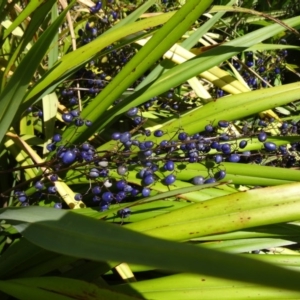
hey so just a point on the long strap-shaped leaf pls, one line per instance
(13, 94)
(76, 235)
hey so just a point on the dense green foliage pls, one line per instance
(149, 150)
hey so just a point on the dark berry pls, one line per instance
(209, 128)
(234, 158)
(218, 158)
(58, 205)
(158, 133)
(146, 192)
(78, 197)
(148, 179)
(39, 185)
(223, 124)
(107, 197)
(67, 117)
(210, 180)
(115, 136)
(124, 213)
(198, 180)
(170, 179)
(243, 144)
(132, 112)
(52, 189)
(56, 138)
(220, 175)
(182, 136)
(169, 166)
(270, 147)
(96, 190)
(262, 136)
(68, 157)
(54, 177)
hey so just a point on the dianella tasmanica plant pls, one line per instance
(149, 150)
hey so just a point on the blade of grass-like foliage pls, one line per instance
(240, 173)
(20, 256)
(50, 104)
(246, 245)
(38, 18)
(80, 238)
(204, 28)
(73, 61)
(189, 69)
(227, 213)
(13, 94)
(193, 287)
(226, 109)
(26, 12)
(27, 292)
(59, 288)
(161, 41)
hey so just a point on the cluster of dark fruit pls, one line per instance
(259, 70)
(159, 161)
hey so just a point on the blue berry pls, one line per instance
(170, 179)
(75, 113)
(146, 192)
(132, 112)
(54, 177)
(262, 136)
(96, 190)
(121, 184)
(88, 123)
(226, 149)
(52, 189)
(78, 197)
(125, 137)
(39, 185)
(220, 175)
(182, 136)
(147, 132)
(107, 197)
(56, 138)
(79, 122)
(51, 147)
(234, 158)
(270, 147)
(149, 144)
(120, 196)
(243, 144)
(94, 173)
(22, 197)
(67, 117)
(223, 124)
(148, 179)
(198, 180)
(158, 133)
(116, 136)
(96, 199)
(169, 165)
(58, 205)
(210, 180)
(68, 157)
(209, 128)
(124, 213)
(218, 158)
(104, 206)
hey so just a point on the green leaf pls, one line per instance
(13, 94)
(78, 236)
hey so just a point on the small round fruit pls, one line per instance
(270, 147)
(67, 117)
(68, 157)
(234, 158)
(107, 197)
(56, 138)
(170, 179)
(78, 197)
(262, 136)
(198, 180)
